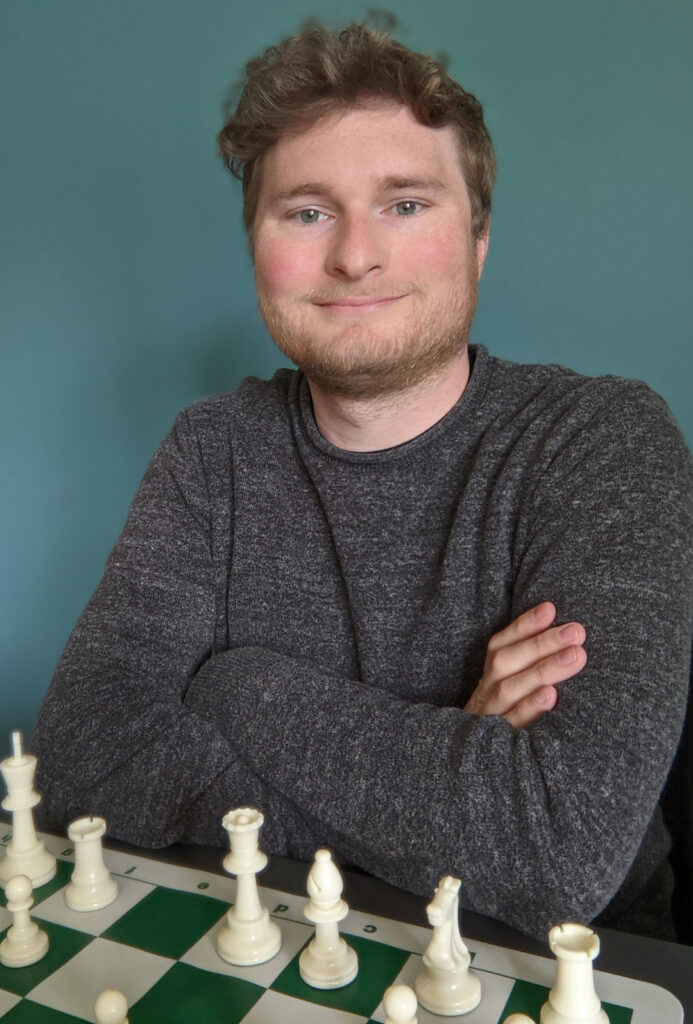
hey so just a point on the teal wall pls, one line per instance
(126, 290)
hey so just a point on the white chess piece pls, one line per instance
(573, 999)
(24, 943)
(92, 885)
(249, 936)
(111, 1008)
(327, 961)
(399, 1003)
(26, 854)
(518, 1018)
(446, 986)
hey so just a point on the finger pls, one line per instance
(534, 620)
(515, 658)
(509, 692)
(532, 707)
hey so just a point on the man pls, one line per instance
(427, 607)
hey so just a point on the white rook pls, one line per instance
(92, 885)
(26, 854)
(573, 999)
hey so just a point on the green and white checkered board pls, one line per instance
(156, 944)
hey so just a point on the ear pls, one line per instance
(481, 244)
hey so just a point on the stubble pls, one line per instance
(354, 360)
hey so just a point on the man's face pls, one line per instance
(365, 264)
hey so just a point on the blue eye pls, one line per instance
(407, 207)
(309, 216)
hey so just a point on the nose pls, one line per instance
(356, 248)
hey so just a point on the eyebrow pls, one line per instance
(389, 183)
(395, 183)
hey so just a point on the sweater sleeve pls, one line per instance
(541, 824)
(114, 736)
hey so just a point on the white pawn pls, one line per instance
(573, 999)
(446, 985)
(24, 943)
(92, 885)
(399, 1003)
(111, 1008)
(26, 854)
(248, 936)
(518, 1018)
(327, 961)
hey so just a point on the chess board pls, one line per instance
(156, 944)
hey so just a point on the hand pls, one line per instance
(524, 664)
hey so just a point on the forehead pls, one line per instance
(369, 142)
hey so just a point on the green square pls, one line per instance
(529, 998)
(187, 995)
(64, 943)
(62, 877)
(379, 965)
(618, 1014)
(27, 1012)
(167, 922)
(525, 997)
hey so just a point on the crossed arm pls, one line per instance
(152, 724)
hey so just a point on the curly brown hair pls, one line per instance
(305, 77)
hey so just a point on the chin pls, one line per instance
(365, 360)
(374, 374)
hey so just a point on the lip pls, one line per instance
(357, 305)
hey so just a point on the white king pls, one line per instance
(26, 854)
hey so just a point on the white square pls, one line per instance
(204, 955)
(7, 1001)
(171, 876)
(60, 846)
(75, 987)
(273, 1008)
(283, 904)
(399, 934)
(93, 922)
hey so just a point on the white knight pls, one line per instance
(446, 986)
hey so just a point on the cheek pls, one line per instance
(438, 254)
(282, 268)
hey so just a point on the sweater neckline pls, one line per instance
(464, 409)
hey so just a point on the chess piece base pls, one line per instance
(335, 968)
(29, 951)
(549, 1015)
(91, 897)
(37, 864)
(245, 943)
(447, 993)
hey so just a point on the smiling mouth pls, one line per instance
(358, 304)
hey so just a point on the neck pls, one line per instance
(372, 424)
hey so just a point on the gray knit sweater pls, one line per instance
(296, 627)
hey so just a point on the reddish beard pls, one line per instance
(367, 361)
